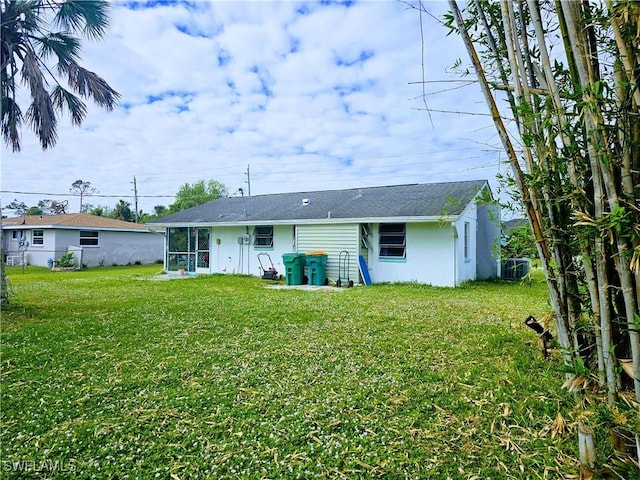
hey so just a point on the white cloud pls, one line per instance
(310, 96)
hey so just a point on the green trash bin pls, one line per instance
(317, 267)
(294, 265)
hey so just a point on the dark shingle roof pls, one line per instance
(509, 225)
(416, 200)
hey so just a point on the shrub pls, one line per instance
(66, 260)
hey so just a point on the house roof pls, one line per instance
(70, 220)
(429, 200)
(514, 223)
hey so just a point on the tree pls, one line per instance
(34, 54)
(122, 211)
(20, 208)
(82, 188)
(99, 211)
(196, 194)
(159, 210)
(518, 240)
(35, 211)
(44, 207)
(53, 207)
(570, 72)
(40, 48)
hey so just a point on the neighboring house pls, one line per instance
(513, 224)
(103, 241)
(439, 234)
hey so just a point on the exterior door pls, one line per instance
(203, 250)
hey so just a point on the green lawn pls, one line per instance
(111, 374)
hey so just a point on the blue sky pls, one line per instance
(310, 95)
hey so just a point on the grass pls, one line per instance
(111, 374)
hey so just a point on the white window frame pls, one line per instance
(87, 240)
(467, 241)
(37, 240)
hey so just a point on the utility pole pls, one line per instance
(4, 289)
(248, 182)
(135, 198)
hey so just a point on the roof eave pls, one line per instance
(72, 227)
(312, 221)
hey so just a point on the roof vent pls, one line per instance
(305, 201)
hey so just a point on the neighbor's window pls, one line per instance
(392, 240)
(466, 240)
(89, 238)
(263, 237)
(37, 237)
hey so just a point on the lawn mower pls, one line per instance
(269, 273)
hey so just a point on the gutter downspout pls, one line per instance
(455, 254)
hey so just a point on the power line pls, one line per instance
(92, 195)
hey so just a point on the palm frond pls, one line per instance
(11, 123)
(31, 74)
(65, 100)
(40, 115)
(65, 47)
(89, 84)
(42, 119)
(27, 12)
(31, 33)
(87, 16)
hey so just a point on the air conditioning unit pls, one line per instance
(515, 268)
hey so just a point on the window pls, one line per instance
(263, 237)
(37, 237)
(466, 241)
(364, 236)
(89, 238)
(182, 249)
(392, 240)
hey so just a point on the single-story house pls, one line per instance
(35, 239)
(441, 233)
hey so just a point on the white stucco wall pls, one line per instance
(429, 252)
(429, 256)
(466, 267)
(230, 257)
(434, 250)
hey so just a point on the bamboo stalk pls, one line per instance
(528, 126)
(593, 120)
(625, 56)
(587, 449)
(533, 215)
(602, 171)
